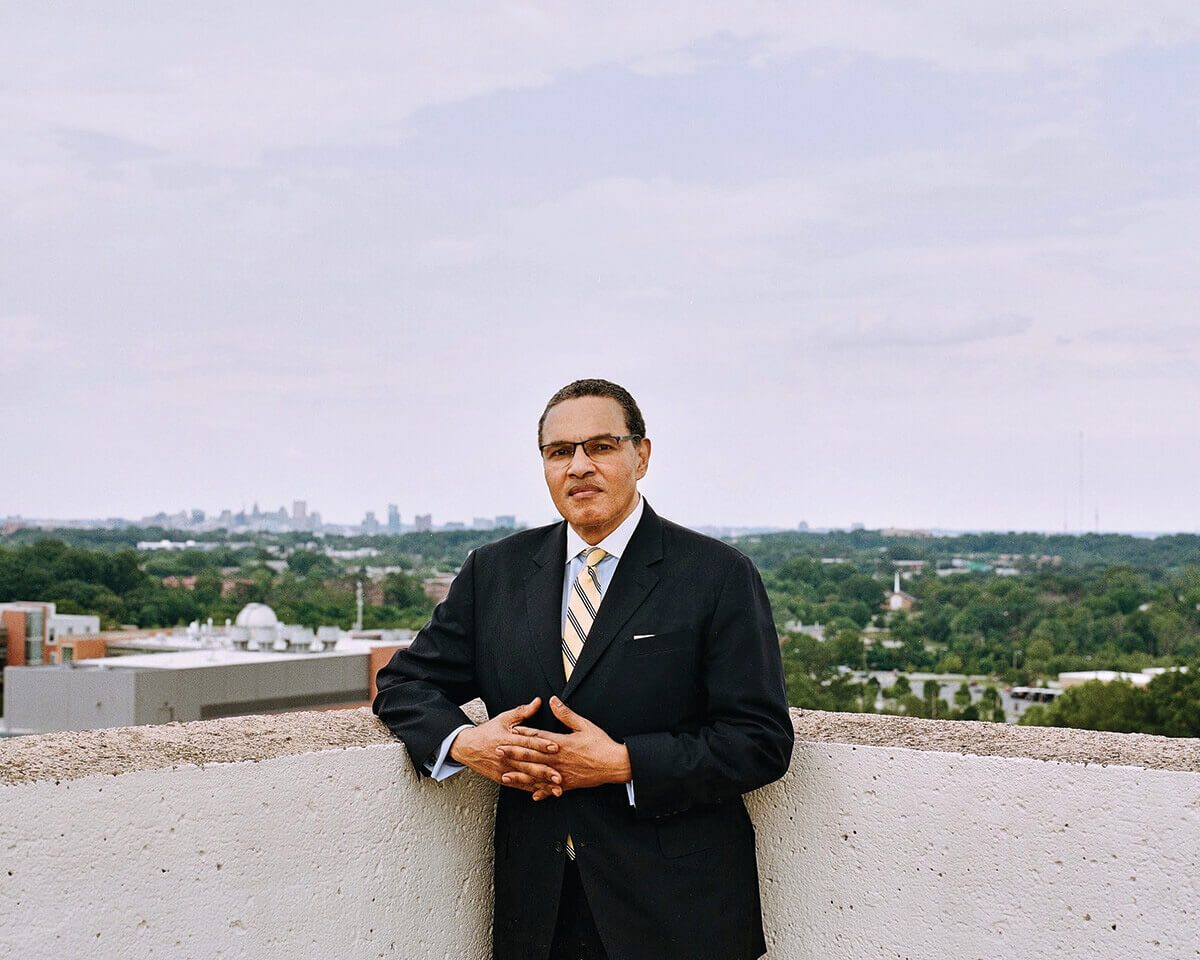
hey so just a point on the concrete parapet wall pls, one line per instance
(308, 835)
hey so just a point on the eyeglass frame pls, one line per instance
(576, 444)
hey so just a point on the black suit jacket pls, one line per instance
(701, 706)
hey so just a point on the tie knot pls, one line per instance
(594, 556)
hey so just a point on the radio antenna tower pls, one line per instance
(1082, 508)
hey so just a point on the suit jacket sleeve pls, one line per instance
(747, 737)
(421, 688)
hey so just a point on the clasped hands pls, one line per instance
(538, 761)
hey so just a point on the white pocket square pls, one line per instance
(642, 636)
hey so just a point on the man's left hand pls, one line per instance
(586, 757)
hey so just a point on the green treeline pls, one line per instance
(122, 589)
(1168, 706)
(1078, 603)
(1053, 617)
(1021, 628)
(1155, 557)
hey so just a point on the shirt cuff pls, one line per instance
(442, 767)
(629, 787)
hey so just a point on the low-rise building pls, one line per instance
(438, 586)
(33, 630)
(814, 630)
(254, 665)
(1076, 677)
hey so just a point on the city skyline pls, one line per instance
(474, 520)
(855, 264)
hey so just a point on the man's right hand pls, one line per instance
(479, 749)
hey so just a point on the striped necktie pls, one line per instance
(582, 606)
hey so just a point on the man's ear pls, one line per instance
(643, 449)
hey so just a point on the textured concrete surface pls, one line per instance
(67, 756)
(338, 853)
(889, 852)
(308, 835)
(82, 753)
(1000, 740)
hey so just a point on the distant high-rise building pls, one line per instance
(393, 518)
(506, 522)
(299, 512)
(370, 524)
(197, 516)
(423, 522)
(802, 526)
(482, 523)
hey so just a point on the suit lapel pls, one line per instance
(543, 605)
(631, 585)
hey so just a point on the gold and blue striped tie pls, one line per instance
(581, 611)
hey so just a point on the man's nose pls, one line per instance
(581, 464)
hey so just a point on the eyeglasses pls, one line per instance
(596, 448)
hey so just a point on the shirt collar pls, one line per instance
(615, 543)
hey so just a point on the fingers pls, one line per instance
(568, 716)
(539, 734)
(532, 741)
(517, 752)
(524, 781)
(523, 712)
(542, 791)
(534, 771)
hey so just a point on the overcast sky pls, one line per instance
(880, 262)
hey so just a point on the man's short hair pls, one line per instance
(634, 422)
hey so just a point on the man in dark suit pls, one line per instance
(620, 827)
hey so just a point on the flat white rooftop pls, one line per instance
(221, 657)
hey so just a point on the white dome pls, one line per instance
(257, 615)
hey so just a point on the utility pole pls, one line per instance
(358, 597)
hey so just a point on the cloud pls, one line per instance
(916, 332)
(192, 82)
(374, 224)
(102, 150)
(1156, 333)
(23, 339)
(977, 38)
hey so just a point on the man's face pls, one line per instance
(594, 496)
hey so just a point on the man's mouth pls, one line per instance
(583, 491)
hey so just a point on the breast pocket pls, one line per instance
(661, 643)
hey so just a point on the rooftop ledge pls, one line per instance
(307, 834)
(74, 754)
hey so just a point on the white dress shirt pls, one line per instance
(614, 545)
